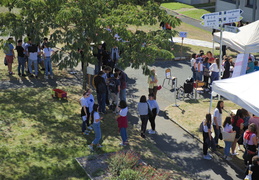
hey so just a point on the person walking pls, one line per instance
(207, 138)
(228, 128)
(33, 51)
(143, 108)
(123, 85)
(97, 128)
(217, 121)
(152, 83)
(123, 122)
(155, 110)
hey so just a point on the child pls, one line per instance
(229, 129)
(123, 122)
(207, 138)
(97, 128)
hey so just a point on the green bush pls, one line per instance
(129, 174)
(122, 160)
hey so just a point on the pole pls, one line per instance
(210, 102)
(220, 55)
(213, 46)
(182, 49)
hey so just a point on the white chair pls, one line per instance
(168, 75)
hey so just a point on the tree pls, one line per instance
(81, 24)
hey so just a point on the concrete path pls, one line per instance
(171, 139)
(195, 42)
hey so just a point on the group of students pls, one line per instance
(244, 127)
(31, 55)
(205, 67)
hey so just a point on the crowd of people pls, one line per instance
(29, 56)
(244, 129)
(111, 95)
(206, 68)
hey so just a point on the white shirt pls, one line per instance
(192, 62)
(205, 127)
(228, 128)
(47, 51)
(96, 116)
(214, 68)
(218, 116)
(90, 102)
(123, 112)
(83, 102)
(33, 55)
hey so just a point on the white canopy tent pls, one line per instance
(242, 90)
(245, 41)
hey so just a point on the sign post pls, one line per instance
(217, 20)
(183, 35)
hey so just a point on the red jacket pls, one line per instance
(122, 122)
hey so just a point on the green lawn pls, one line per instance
(178, 5)
(196, 14)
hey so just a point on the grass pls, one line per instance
(41, 137)
(196, 14)
(179, 6)
(192, 117)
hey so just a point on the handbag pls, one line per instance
(150, 113)
(228, 136)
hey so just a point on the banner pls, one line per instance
(240, 65)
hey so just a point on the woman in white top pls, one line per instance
(47, 52)
(229, 129)
(90, 102)
(214, 69)
(217, 121)
(97, 128)
(207, 138)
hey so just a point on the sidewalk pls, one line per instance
(171, 139)
(195, 42)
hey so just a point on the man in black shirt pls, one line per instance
(101, 88)
(21, 60)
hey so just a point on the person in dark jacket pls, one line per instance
(101, 88)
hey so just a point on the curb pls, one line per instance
(198, 139)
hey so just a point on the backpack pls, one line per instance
(201, 127)
(112, 85)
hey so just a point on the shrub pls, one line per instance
(129, 174)
(122, 160)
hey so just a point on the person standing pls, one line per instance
(123, 122)
(192, 61)
(9, 54)
(100, 85)
(47, 52)
(99, 59)
(214, 68)
(143, 107)
(114, 87)
(123, 85)
(238, 125)
(90, 102)
(217, 121)
(84, 106)
(97, 128)
(228, 128)
(155, 110)
(21, 60)
(250, 66)
(33, 59)
(207, 138)
(226, 73)
(206, 73)
(152, 83)
(198, 67)
(250, 142)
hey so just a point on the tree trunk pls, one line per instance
(84, 75)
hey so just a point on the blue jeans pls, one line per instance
(21, 64)
(123, 133)
(123, 94)
(214, 76)
(48, 66)
(97, 132)
(199, 75)
(217, 131)
(227, 147)
(35, 64)
(101, 98)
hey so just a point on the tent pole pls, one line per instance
(210, 102)
(220, 55)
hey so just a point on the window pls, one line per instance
(250, 3)
(230, 1)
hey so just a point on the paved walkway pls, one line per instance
(195, 42)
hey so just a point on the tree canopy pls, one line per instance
(73, 24)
